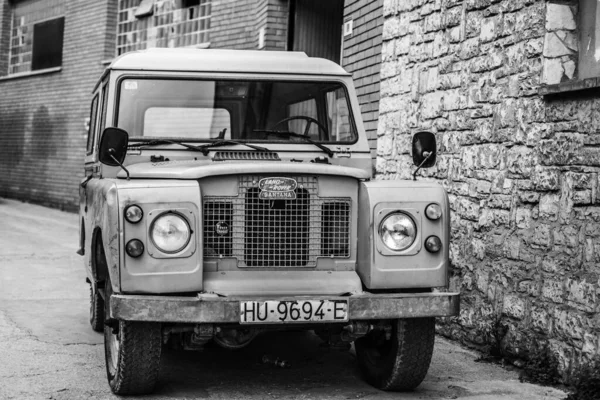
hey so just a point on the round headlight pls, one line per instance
(170, 233)
(398, 231)
(433, 211)
(134, 214)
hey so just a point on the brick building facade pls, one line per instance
(510, 88)
(53, 51)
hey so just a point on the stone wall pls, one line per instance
(521, 170)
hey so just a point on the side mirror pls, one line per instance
(424, 149)
(113, 147)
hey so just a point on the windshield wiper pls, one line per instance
(288, 134)
(203, 148)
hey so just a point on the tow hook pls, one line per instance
(355, 330)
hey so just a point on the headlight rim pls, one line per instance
(130, 207)
(187, 224)
(441, 211)
(410, 218)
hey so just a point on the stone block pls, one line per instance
(391, 27)
(432, 105)
(563, 149)
(514, 306)
(563, 353)
(591, 345)
(556, 46)
(553, 290)
(546, 178)
(529, 197)
(489, 29)
(569, 324)
(523, 218)
(520, 161)
(467, 208)
(385, 145)
(582, 197)
(581, 294)
(549, 206)
(566, 236)
(560, 17)
(553, 71)
(566, 198)
(541, 320)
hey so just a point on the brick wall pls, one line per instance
(233, 25)
(42, 135)
(362, 57)
(236, 24)
(5, 23)
(521, 170)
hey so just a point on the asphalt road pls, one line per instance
(49, 351)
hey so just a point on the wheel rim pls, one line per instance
(113, 345)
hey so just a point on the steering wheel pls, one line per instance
(309, 121)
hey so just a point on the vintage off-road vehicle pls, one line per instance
(230, 192)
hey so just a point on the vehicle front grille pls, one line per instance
(276, 233)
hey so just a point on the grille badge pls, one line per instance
(221, 228)
(277, 188)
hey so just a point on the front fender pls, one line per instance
(102, 204)
(415, 267)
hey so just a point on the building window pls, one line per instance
(162, 23)
(571, 52)
(37, 33)
(589, 36)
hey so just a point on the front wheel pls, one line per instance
(132, 351)
(397, 360)
(96, 310)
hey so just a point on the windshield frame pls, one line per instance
(327, 79)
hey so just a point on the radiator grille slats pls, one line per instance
(277, 233)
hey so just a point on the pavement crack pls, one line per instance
(80, 344)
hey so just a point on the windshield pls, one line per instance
(205, 110)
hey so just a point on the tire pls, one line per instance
(400, 363)
(96, 310)
(132, 351)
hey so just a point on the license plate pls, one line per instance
(273, 311)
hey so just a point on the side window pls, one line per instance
(338, 116)
(306, 108)
(93, 124)
(104, 107)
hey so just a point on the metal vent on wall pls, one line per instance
(246, 155)
(290, 233)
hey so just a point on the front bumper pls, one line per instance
(365, 306)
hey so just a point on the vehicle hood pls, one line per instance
(191, 169)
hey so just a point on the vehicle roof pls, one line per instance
(218, 60)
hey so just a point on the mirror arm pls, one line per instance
(427, 154)
(111, 154)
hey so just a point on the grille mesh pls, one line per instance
(277, 233)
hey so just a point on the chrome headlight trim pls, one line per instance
(178, 224)
(433, 211)
(397, 231)
(133, 213)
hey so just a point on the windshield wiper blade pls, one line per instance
(203, 148)
(325, 149)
